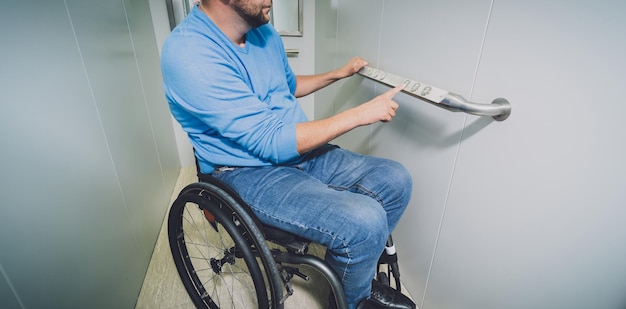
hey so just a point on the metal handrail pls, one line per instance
(499, 109)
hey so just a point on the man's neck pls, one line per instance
(233, 26)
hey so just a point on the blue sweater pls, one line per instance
(236, 104)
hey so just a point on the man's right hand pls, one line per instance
(312, 134)
(381, 108)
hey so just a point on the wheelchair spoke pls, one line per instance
(215, 245)
(212, 252)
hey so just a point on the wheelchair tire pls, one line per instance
(220, 254)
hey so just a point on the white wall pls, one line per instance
(304, 63)
(525, 213)
(88, 157)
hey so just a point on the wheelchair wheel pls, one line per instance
(220, 253)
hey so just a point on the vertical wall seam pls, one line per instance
(10, 284)
(378, 52)
(456, 158)
(93, 100)
(145, 103)
(380, 36)
(336, 56)
(480, 54)
(145, 98)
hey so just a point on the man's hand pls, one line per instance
(381, 108)
(352, 66)
(307, 84)
(312, 134)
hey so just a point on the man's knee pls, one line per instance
(399, 181)
(400, 174)
(365, 228)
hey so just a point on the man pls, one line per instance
(229, 84)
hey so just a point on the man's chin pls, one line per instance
(260, 23)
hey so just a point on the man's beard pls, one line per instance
(253, 15)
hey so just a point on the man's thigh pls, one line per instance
(293, 200)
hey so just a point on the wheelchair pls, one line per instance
(227, 258)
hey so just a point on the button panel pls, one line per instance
(412, 87)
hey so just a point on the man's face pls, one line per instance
(254, 12)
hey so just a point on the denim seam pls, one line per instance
(360, 189)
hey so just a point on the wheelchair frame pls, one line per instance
(213, 269)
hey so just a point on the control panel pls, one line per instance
(412, 87)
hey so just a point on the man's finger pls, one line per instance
(393, 91)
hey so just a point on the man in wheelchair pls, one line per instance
(229, 85)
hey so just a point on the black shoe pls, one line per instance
(364, 304)
(385, 296)
(367, 304)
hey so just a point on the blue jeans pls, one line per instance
(345, 201)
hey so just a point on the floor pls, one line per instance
(162, 287)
